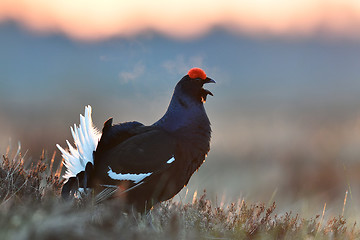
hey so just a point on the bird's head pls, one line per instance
(186, 107)
(191, 85)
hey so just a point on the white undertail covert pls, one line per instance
(86, 138)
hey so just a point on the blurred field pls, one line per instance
(301, 161)
(30, 208)
(308, 167)
(301, 164)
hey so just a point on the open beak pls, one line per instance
(206, 92)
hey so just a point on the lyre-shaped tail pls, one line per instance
(86, 138)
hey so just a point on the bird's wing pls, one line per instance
(148, 150)
(145, 150)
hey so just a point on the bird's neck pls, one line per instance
(183, 112)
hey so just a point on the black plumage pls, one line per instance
(147, 164)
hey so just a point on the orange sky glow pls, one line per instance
(101, 19)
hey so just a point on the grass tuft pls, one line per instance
(31, 208)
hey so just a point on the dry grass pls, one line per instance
(30, 208)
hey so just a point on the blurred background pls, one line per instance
(286, 106)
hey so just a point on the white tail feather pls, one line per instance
(86, 138)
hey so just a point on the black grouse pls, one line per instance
(142, 164)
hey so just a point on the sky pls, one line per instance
(279, 66)
(96, 20)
